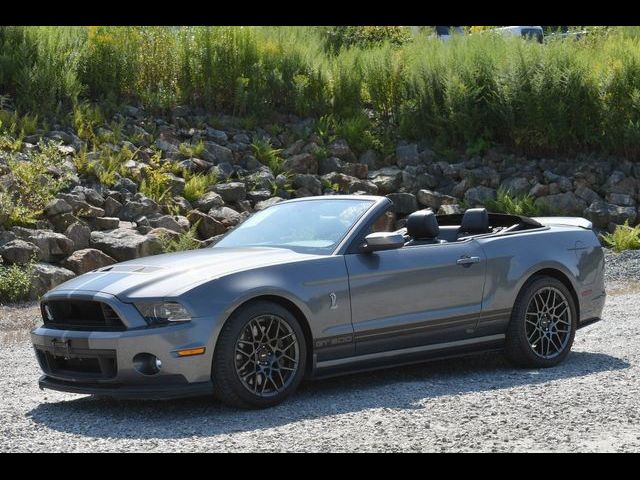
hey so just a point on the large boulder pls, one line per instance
(477, 196)
(388, 179)
(623, 199)
(82, 261)
(207, 226)
(46, 276)
(19, 251)
(56, 207)
(308, 182)
(407, 155)
(232, 192)
(166, 221)
(138, 208)
(301, 163)
(434, 200)
(267, 203)
(226, 215)
(601, 214)
(112, 207)
(340, 148)
(53, 246)
(403, 203)
(208, 201)
(217, 153)
(562, 204)
(79, 234)
(125, 244)
(105, 223)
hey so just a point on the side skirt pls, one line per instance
(405, 356)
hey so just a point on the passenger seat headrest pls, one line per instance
(475, 221)
(423, 225)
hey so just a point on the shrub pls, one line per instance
(514, 205)
(267, 155)
(623, 237)
(185, 241)
(364, 36)
(196, 184)
(15, 282)
(190, 150)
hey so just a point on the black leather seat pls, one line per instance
(475, 221)
(422, 227)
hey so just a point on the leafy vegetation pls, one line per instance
(196, 184)
(184, 241)
(505, 202)
(623, 237)
(15, 282)
(267, 155)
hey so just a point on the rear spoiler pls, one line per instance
(568, 221)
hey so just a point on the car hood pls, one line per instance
(170, 274)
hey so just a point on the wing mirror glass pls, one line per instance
(383, 241)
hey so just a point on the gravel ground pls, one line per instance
(589, 403)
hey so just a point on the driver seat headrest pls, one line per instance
(423, 225)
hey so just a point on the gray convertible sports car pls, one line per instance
(320, 286)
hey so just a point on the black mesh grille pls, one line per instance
(80, 315)
(95, 366)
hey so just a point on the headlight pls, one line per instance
(162, 313)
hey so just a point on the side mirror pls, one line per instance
(377, 241)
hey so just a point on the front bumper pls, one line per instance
(101, 362)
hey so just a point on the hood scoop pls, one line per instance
(129, 269)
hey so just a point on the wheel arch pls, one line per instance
(562, 278)
(295, 311)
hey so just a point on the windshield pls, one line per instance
(313, 226)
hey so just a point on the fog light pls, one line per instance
(147, 364)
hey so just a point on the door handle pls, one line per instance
(467, 260)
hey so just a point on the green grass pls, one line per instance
(189, 150)
(15, 282)
(470, 93)
(623, 238)
(505, 202)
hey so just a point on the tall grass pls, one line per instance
(473, 91)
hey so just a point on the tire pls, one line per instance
(543, 324)
(260, 356)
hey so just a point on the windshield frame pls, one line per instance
(343, 243)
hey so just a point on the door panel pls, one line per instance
(415, 295)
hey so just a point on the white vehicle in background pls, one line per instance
(533, 32)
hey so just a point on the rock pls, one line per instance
(53, 246)
(387, 180)
(166, 221)
(60, 135)
(90, 195)
(208, 201)
(450, 209)
(176, 184)
(124, 244)
(217, 153)
(618, 182)
(477, 196)
(267, 203)
(105, 223)
(308, 182)
(161, 233)
(46, 277)
(62, 221)
(622, 199)
(365, 186)
(370, 159)
(79, 234)
(340, 148)
(293, 149)
(601, 214)
(125, 184)
(6, 236)
(433, 199)
(138, 208)
(231, 192)
(328, 165)
(403, 203)
(539, 190)
(89, 211)
(207, 226)
(227, 216)
(258, 195)
(358, 170)
(19, 251)
(83, 261)
(242, 138)
(195, 165)
(562, 204)
(301, 163)
(407, 155)
(56, 207)
(216, 135)
(415, 178)
(261, 180)
(112, 207)
(516, 186)
(167, 146)
(586, 194)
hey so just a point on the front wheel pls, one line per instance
(260, 356)
(543, 324)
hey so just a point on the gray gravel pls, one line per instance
(589, 403)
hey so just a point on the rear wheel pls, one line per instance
(543, 324)
(260, 356)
